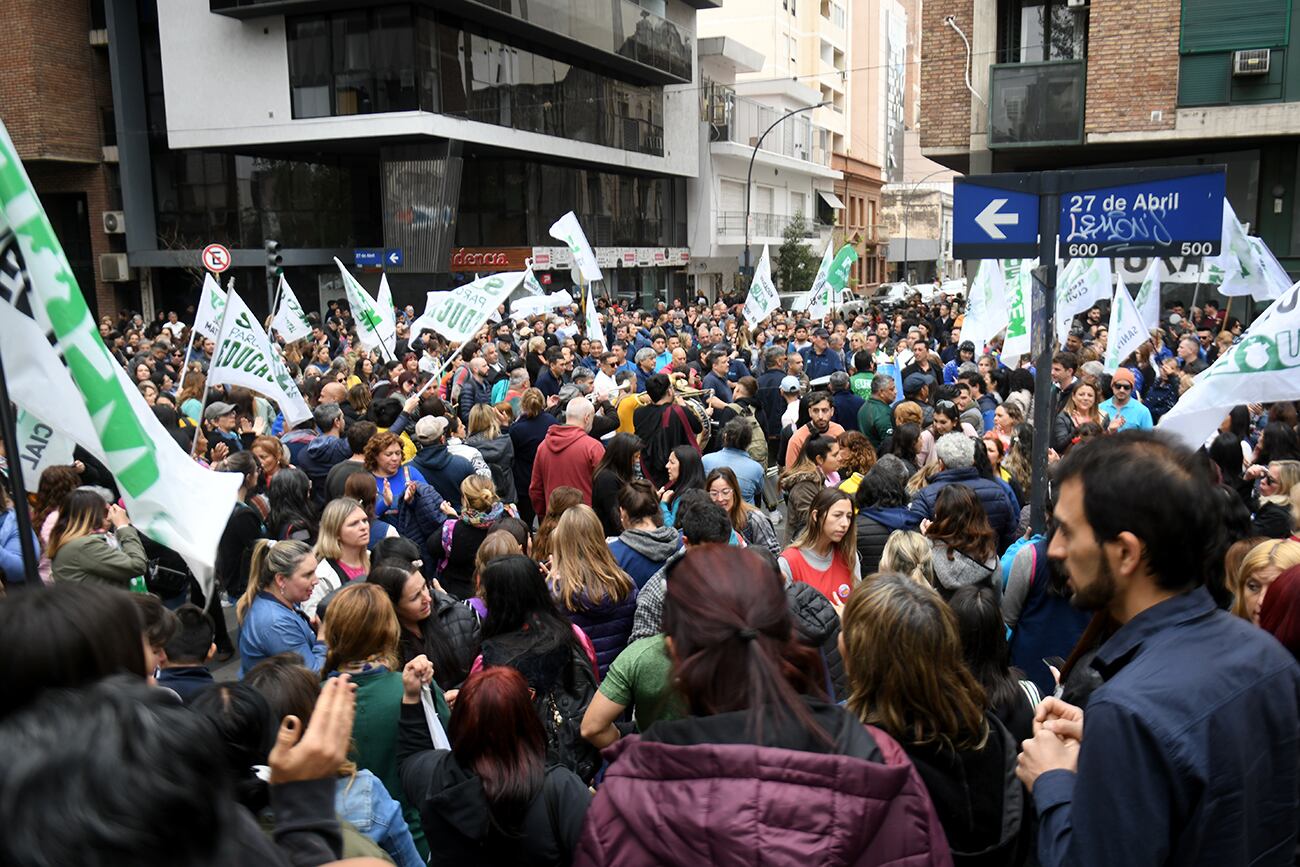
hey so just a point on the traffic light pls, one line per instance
(274, 261)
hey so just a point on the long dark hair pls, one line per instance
(246, 730)
(620, 452)
(1278, 442)
(1225, 453)
(433, 640)
(961, 523)
(517, 598)
(905, 442)
(881, 489)
(734, 644)
(690, 471)
(497, 736)
(984, 644)
(291, 507)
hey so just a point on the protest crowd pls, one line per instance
(689, 590)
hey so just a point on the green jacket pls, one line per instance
(92, 559)
(876, 420)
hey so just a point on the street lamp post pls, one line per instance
(749, 177)
(907, 211)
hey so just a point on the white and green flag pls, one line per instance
(1126, 331)
(594, 331)
(1245, 266)
(531, 284)
(1263, 367)
(1148, 295)
(212, 301)
(387, 310)
(762, 301)
(1019, 279)
(460, 313)
(290, 320)
(1080, 284)
(816, 300)
(245, 356)
(58, 367)
(532, 305)
(371, 324)
(40, 446)
(986, 311)
(566, 229)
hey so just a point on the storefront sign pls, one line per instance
(489, 259)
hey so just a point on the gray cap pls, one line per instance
(790, 385)
(217, 409)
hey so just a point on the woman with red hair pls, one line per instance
(1279, 613)
(491, 799)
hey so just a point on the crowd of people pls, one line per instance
(695, 592)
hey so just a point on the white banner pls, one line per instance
(594, 331)
(566, 229)
(1126, 330)
(1263, 367)
(534, 305)
(462, 312)
(986, 312)
(1081, 283)
(817, 300)
(290, 320)
(387, 312)
(424, 322)
(1246, 266)
(245, 356)
(370, 322)
(531, 285)
(762, 300)
(1019, 279)
(212, 301)
(39, 446)
(1148, 296)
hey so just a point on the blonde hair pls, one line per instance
(582, 567)
(908, 553)
(331, 525)
(269, 559)
(361, 625)
(1279, 554)
(1288, 478)
(478, 493)
(483, 418)
(922, 477)
(908, 412)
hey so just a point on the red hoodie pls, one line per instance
(568, 456)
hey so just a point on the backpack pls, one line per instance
(758, 445)
(563, 684)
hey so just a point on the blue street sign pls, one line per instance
(1151, 216)
(995, 216)
(368, 258)
(393, 258)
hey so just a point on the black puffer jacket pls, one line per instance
(819, 627)
(459, 623)
(499, 455)
(874, 527)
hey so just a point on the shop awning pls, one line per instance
(831, 199)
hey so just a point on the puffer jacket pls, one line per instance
(962, 571)
(874, 527)
(607, 623)
(460, 625)
(642, 553)
(819, 627)
(992, 496)
(499, 454)
(800, 489)
(318, 458)
(759, 531)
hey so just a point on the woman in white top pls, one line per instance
(341, 549)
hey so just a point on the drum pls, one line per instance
(697, 408)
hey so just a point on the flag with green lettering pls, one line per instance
(463, 311)
(245, 356)
(290, 320)
(57, 367)
(371, 324)
(1126, 331)
(815, 300)
(212, 301)
(1018, 277)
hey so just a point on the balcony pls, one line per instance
(732, 224)
(625, 37)
(1036, 104)
(741, 121)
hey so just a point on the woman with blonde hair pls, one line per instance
(282, 577)
(362, 632)
(1279, 489)
(342, 547)
(79, 549)
(190, 399)
(596, 595)
(908, 552)
(484, 433)
(1259, 568)
(562, 499)
(908, 676)
(481, 508)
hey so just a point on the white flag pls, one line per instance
(594, 331)
(370, 322)
(816, 301)
(762, 301)
(531, 285)
(986, 310)
(388, 311)
(1081, 284)
(462, 312)
(424, 322)
(1245, 266)
(39, 446)
(1126, 331)
(1020, 282)
(1263, 367)
(80, 391)
(1148, 296)
(522, 308)
(212, 301)
(566, 229)
(290, 320)
(245, 356)
(1274, 279)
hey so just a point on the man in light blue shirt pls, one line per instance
(737, 434)
(1121, 404)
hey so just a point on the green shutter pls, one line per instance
(1219, 25)
(1203, 79)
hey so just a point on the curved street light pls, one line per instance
(749, 177)
(907, 210)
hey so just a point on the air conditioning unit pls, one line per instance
(114, 223)
(113, 268)
(1252, 61)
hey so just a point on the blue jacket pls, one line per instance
(472, 392)
(318, 458)
(445, 471)
(642, 553)
(992, 496)
(11, 552)
(269, 628)
(527, 434)
(1198, 716)
(608, 625)
(363, 801)
(817, 366)
(187, 681)
(771, 403)
(847, 404)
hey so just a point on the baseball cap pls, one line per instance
(821, 332)
(916, 381)
(430, 428)
(217, 410)
(790, 385)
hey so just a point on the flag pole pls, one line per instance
(22, 509)
(207, 380)
(189, 345)
(437, 373)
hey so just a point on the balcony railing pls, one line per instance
(740, 120)
(763, 225)
(1036, 104)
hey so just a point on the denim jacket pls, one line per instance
(363, 801)
(269, 628)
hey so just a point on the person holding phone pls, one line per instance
(79, 547)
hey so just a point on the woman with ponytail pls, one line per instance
(281, 577)
(764, 754)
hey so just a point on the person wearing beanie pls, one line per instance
(1125, 410)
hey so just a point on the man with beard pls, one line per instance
(821, 411)
(1191, 752)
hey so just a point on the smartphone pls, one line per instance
(1055, 662)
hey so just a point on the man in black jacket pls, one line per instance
(771, 403)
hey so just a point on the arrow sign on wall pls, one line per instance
(990, 219)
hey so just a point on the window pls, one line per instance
(798, 204)
(1033, 31)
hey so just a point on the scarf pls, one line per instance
(475, 518)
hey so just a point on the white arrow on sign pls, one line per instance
(392, 258)
(989, 219)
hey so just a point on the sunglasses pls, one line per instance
(1121, 386)
(945, 404)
